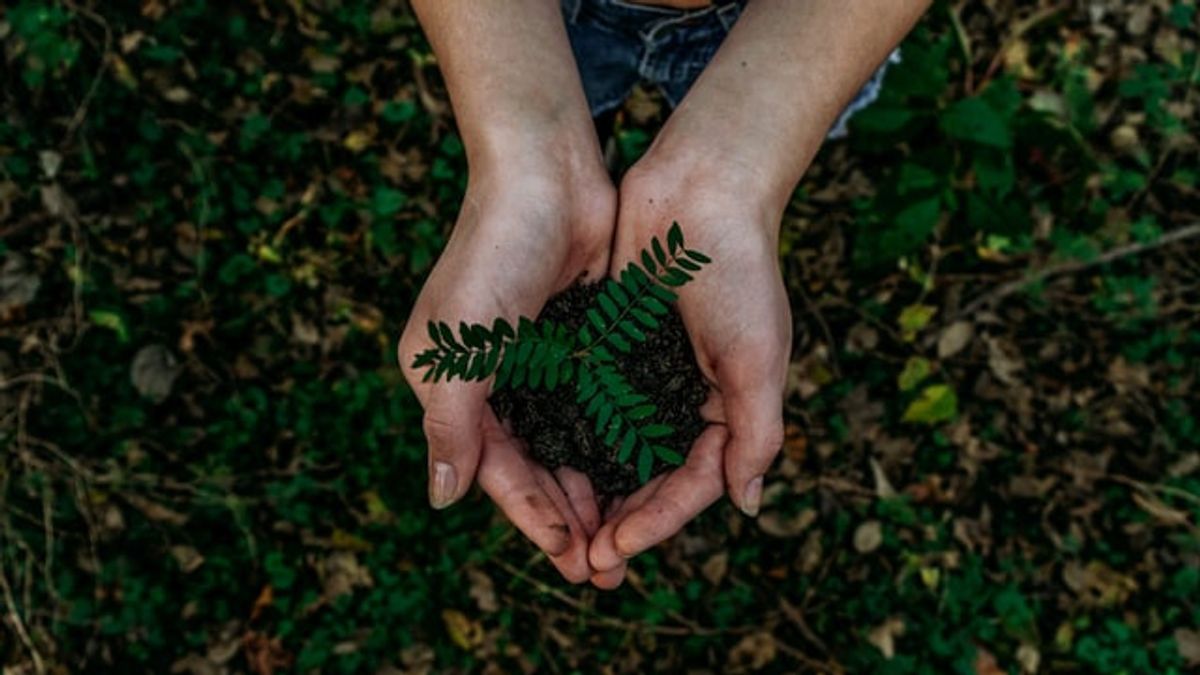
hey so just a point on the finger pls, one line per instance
(755, 419)
(686, 492)
(578, 489)
(610, 579)
(509, 478)
(713, 408)
(602, 554)
(572, 563)
(452, 424)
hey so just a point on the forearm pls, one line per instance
(764, 104)
(512, 77)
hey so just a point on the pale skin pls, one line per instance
(724, 166)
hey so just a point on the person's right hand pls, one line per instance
(532, 224)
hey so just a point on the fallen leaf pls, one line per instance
(914, 318)
(884, 636)
(937, 403)
(482, 590)
(18, 283)
(189, 558)
(985, 663)
(868, 536)
(916, 369)
(342, 573)
(1004, 361)
(753, 652)
(464, 632)
(883, 487)
(783, 526)
(1029, 657)
(954, 339)
(715, 568)
(1187, 641)
(154, 371)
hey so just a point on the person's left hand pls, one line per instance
(739, 323)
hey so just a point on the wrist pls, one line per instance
(694, 177)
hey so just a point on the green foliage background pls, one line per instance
(214, 216)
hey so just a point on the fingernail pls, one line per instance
(752, 497)
(442, 486)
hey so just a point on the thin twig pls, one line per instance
(18, 624)
(1011, 287)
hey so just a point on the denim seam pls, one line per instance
(573, 7)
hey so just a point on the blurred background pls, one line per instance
(215, 216)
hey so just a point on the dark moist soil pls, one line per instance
(555, 427)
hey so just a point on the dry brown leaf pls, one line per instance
(189, 558)
(884, 636)
(753, 652)
(985, 663)
(482, 590)
(1188, 643)
(954, 339)
(715, 568)
(783, 526)
(868, 536)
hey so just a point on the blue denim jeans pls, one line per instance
(619, 43)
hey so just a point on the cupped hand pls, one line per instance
(528, 228)
(739, 323)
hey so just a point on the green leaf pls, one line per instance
(648, 262)
(659, 254)
(448, 336)
(524, 350)
(641, 412)
(913, 319)
(664, 294)
(632, 331)
(567, 371)
(469, 337)
(627, 444)
(916, 369)
(552, 374)
(502, 330)
(597, 321)
(697, 256)
(639, 274)
(937, 403)
(973, 120)
(425, 358)
(601, 353)
(656, 431)
(614, 289)
(619, 342)
(647, 319)
(434, 334)
(668, 455)
(493, 359)
(687, 264)
(606, 411)
(614, 429)
(675, 238)
(654, 305)
(607, 305)
(506, 367)
(645, 463)
(675, 277)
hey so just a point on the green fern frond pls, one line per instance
(544, 354)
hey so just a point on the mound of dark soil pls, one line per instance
(555, 427)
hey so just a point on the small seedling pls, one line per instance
(547, 354)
